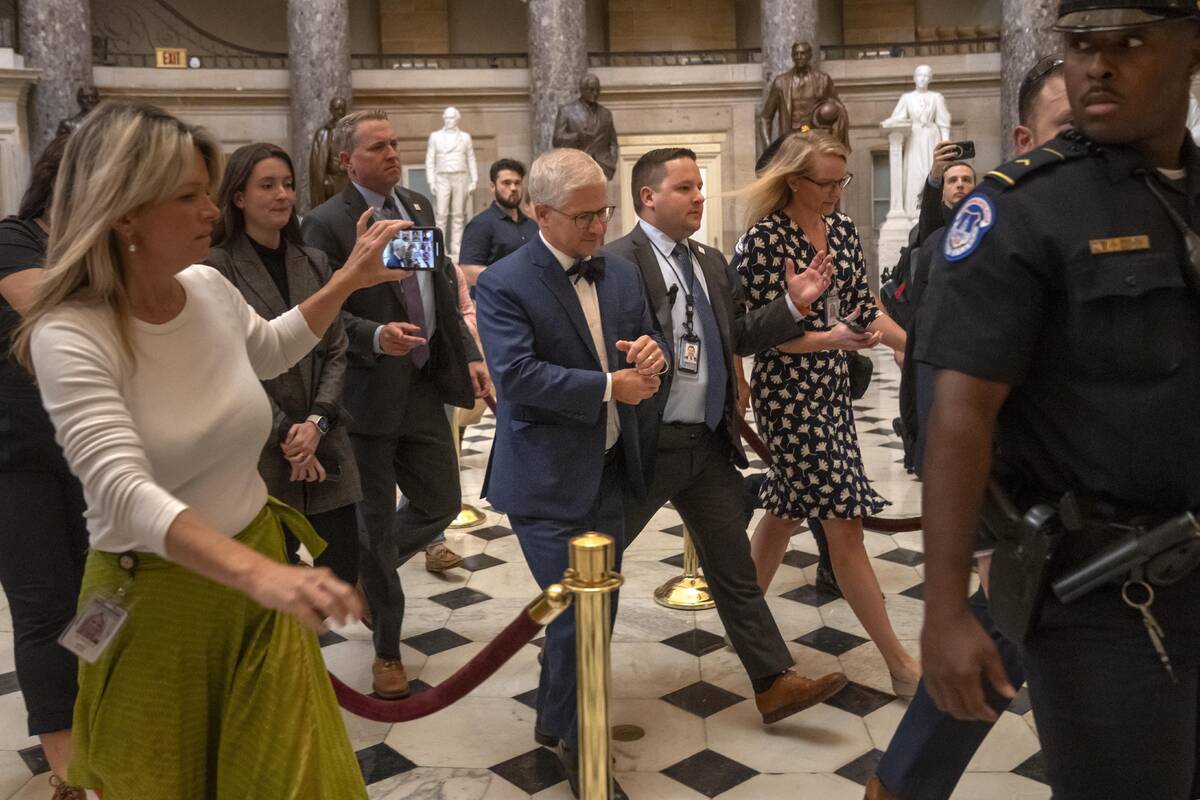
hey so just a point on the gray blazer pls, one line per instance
(317, 378)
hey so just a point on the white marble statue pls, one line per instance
(452, 172)
(930, 119)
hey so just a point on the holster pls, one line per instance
(1022, 561)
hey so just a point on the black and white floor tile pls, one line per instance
(673, 677)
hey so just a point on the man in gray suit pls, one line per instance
(690, 436)
(410, 352)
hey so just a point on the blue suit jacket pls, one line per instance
(548, 453)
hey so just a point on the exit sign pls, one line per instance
(170, 57)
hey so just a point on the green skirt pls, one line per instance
(206, 695)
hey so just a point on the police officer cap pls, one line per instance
(1111, 15)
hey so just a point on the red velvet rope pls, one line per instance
(485, 663)
(877, 524)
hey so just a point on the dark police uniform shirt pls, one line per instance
(26, 435)
(1063, 277)
(492, 234)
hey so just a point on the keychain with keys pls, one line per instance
(1152, 627)
(101, 618)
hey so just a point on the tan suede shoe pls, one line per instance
(793, 692)
(65, 791)
(390, 681)
(439, 558)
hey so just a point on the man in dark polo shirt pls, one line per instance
(500, 228)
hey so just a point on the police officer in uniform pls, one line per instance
(1065, 328)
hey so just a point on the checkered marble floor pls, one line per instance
(673, 676)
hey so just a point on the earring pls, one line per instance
(132, 247)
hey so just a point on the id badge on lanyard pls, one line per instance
(833, 307)
(687, 362)
(101, 618)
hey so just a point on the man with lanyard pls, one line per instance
(1065, 326)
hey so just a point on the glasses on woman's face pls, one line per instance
(825, 186)
(584, 221)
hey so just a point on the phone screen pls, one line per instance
(414, 248)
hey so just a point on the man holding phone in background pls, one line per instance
(950, 180)
(410, 352)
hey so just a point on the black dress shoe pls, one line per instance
(827, 583)
(570, 763)
(543, 738)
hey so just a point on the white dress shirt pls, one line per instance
(590, 302)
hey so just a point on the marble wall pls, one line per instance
(715, 105)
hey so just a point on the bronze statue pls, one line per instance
(325, 175)
(88, 98)
(586, 125)
(803, 97)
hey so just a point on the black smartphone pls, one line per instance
(853, 324)
(964, 150)
(414, 248)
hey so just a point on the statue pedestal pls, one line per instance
(893, 236)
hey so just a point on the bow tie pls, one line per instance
(591, 270)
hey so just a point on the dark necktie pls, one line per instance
(410, 288)
(590, 269)
(718, 376)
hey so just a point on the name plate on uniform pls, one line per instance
(1119, 244)
(170, 57)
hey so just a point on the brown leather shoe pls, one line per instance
(65, 791)
(792, 692)
(877, 791)
(390, 681)
(439, 558)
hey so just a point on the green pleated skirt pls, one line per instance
(206, 695)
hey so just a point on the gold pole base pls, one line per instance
(468, 517)
(688, 594)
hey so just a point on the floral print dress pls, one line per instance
(802, 401)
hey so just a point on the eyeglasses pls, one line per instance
(825, 186)
(584, 221)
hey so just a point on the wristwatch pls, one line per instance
(322, 423)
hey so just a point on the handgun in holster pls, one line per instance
(1021, 564)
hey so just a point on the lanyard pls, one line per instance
(689, 294)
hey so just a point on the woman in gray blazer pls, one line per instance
(307, 463)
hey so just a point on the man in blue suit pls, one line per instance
(572, 348)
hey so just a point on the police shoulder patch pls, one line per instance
(975, 216)
(1053, 152)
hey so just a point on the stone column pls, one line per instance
(319, 70)
(785, 22)
(15, 84)
(557, 62)
(1025, 36)
(56, 39)
(893, 235)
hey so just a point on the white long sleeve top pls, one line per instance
(182, 426)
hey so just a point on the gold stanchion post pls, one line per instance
(468, 516)
(689, 591)
(592, 580)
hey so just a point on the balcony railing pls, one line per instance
(260, 60)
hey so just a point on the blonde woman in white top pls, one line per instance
(150, 368)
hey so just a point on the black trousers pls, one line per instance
(422, 462)
(339, 528)
(695, 473)
(1111, 721)
(43, 546)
